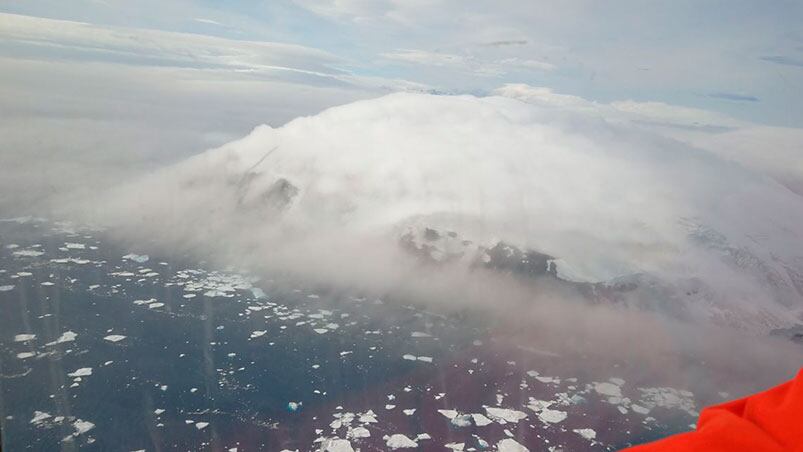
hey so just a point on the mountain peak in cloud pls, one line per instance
(609, 200)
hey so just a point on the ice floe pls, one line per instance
(608, 389)
(67, 336)
(552, 416)
(336, 445)
(138, 258)
(510, 445)
(409, 357)
(28, 253)
(400, 441)
(359, 432)
(503, 415)
(668, 398)
(587, 433)
(39, 417)
(480, 420)
(82, 427)
(369, 417)
(82, 372)
(545, 414)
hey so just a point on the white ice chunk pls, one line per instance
(510, 445)
(24, 337)
(28, 253)
(138, 258)
(552, 416)
(504, 414)
(336, 445)
(67, 336)
(359, 432)
(82, 372)
(400, 441)
(608, 389)
(39, 416)
(82, 427)
(587, 433)
(480, 420)
(449, 414)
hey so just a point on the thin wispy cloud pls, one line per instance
(168, 48)
(207, 21)
(783, 60)
(733, 97)
(482, 66)
(515, 42)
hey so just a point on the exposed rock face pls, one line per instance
(529, 263)
(687, 299)
(434, 246)
(794, 334)
(276, 197)
(280, 195)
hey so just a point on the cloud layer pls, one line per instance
(327, 197)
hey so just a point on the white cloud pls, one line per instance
(428, 58)
(94, 124)
(648, 113)
(526, 64)
(609, 198)
(775, 151)
(357, 10)
(663, 113)
(467, 63)
(546, 97)
(142, 46)
(206, 21)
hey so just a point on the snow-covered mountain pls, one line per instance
(359, 193)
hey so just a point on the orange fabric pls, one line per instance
(770, 421)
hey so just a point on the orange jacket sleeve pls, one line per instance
(770, 421)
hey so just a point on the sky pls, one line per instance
(88, 82)
(744, 58)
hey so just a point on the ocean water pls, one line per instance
(220, 360)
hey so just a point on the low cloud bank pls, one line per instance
(328, 197)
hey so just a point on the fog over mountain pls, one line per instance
(331, 197)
